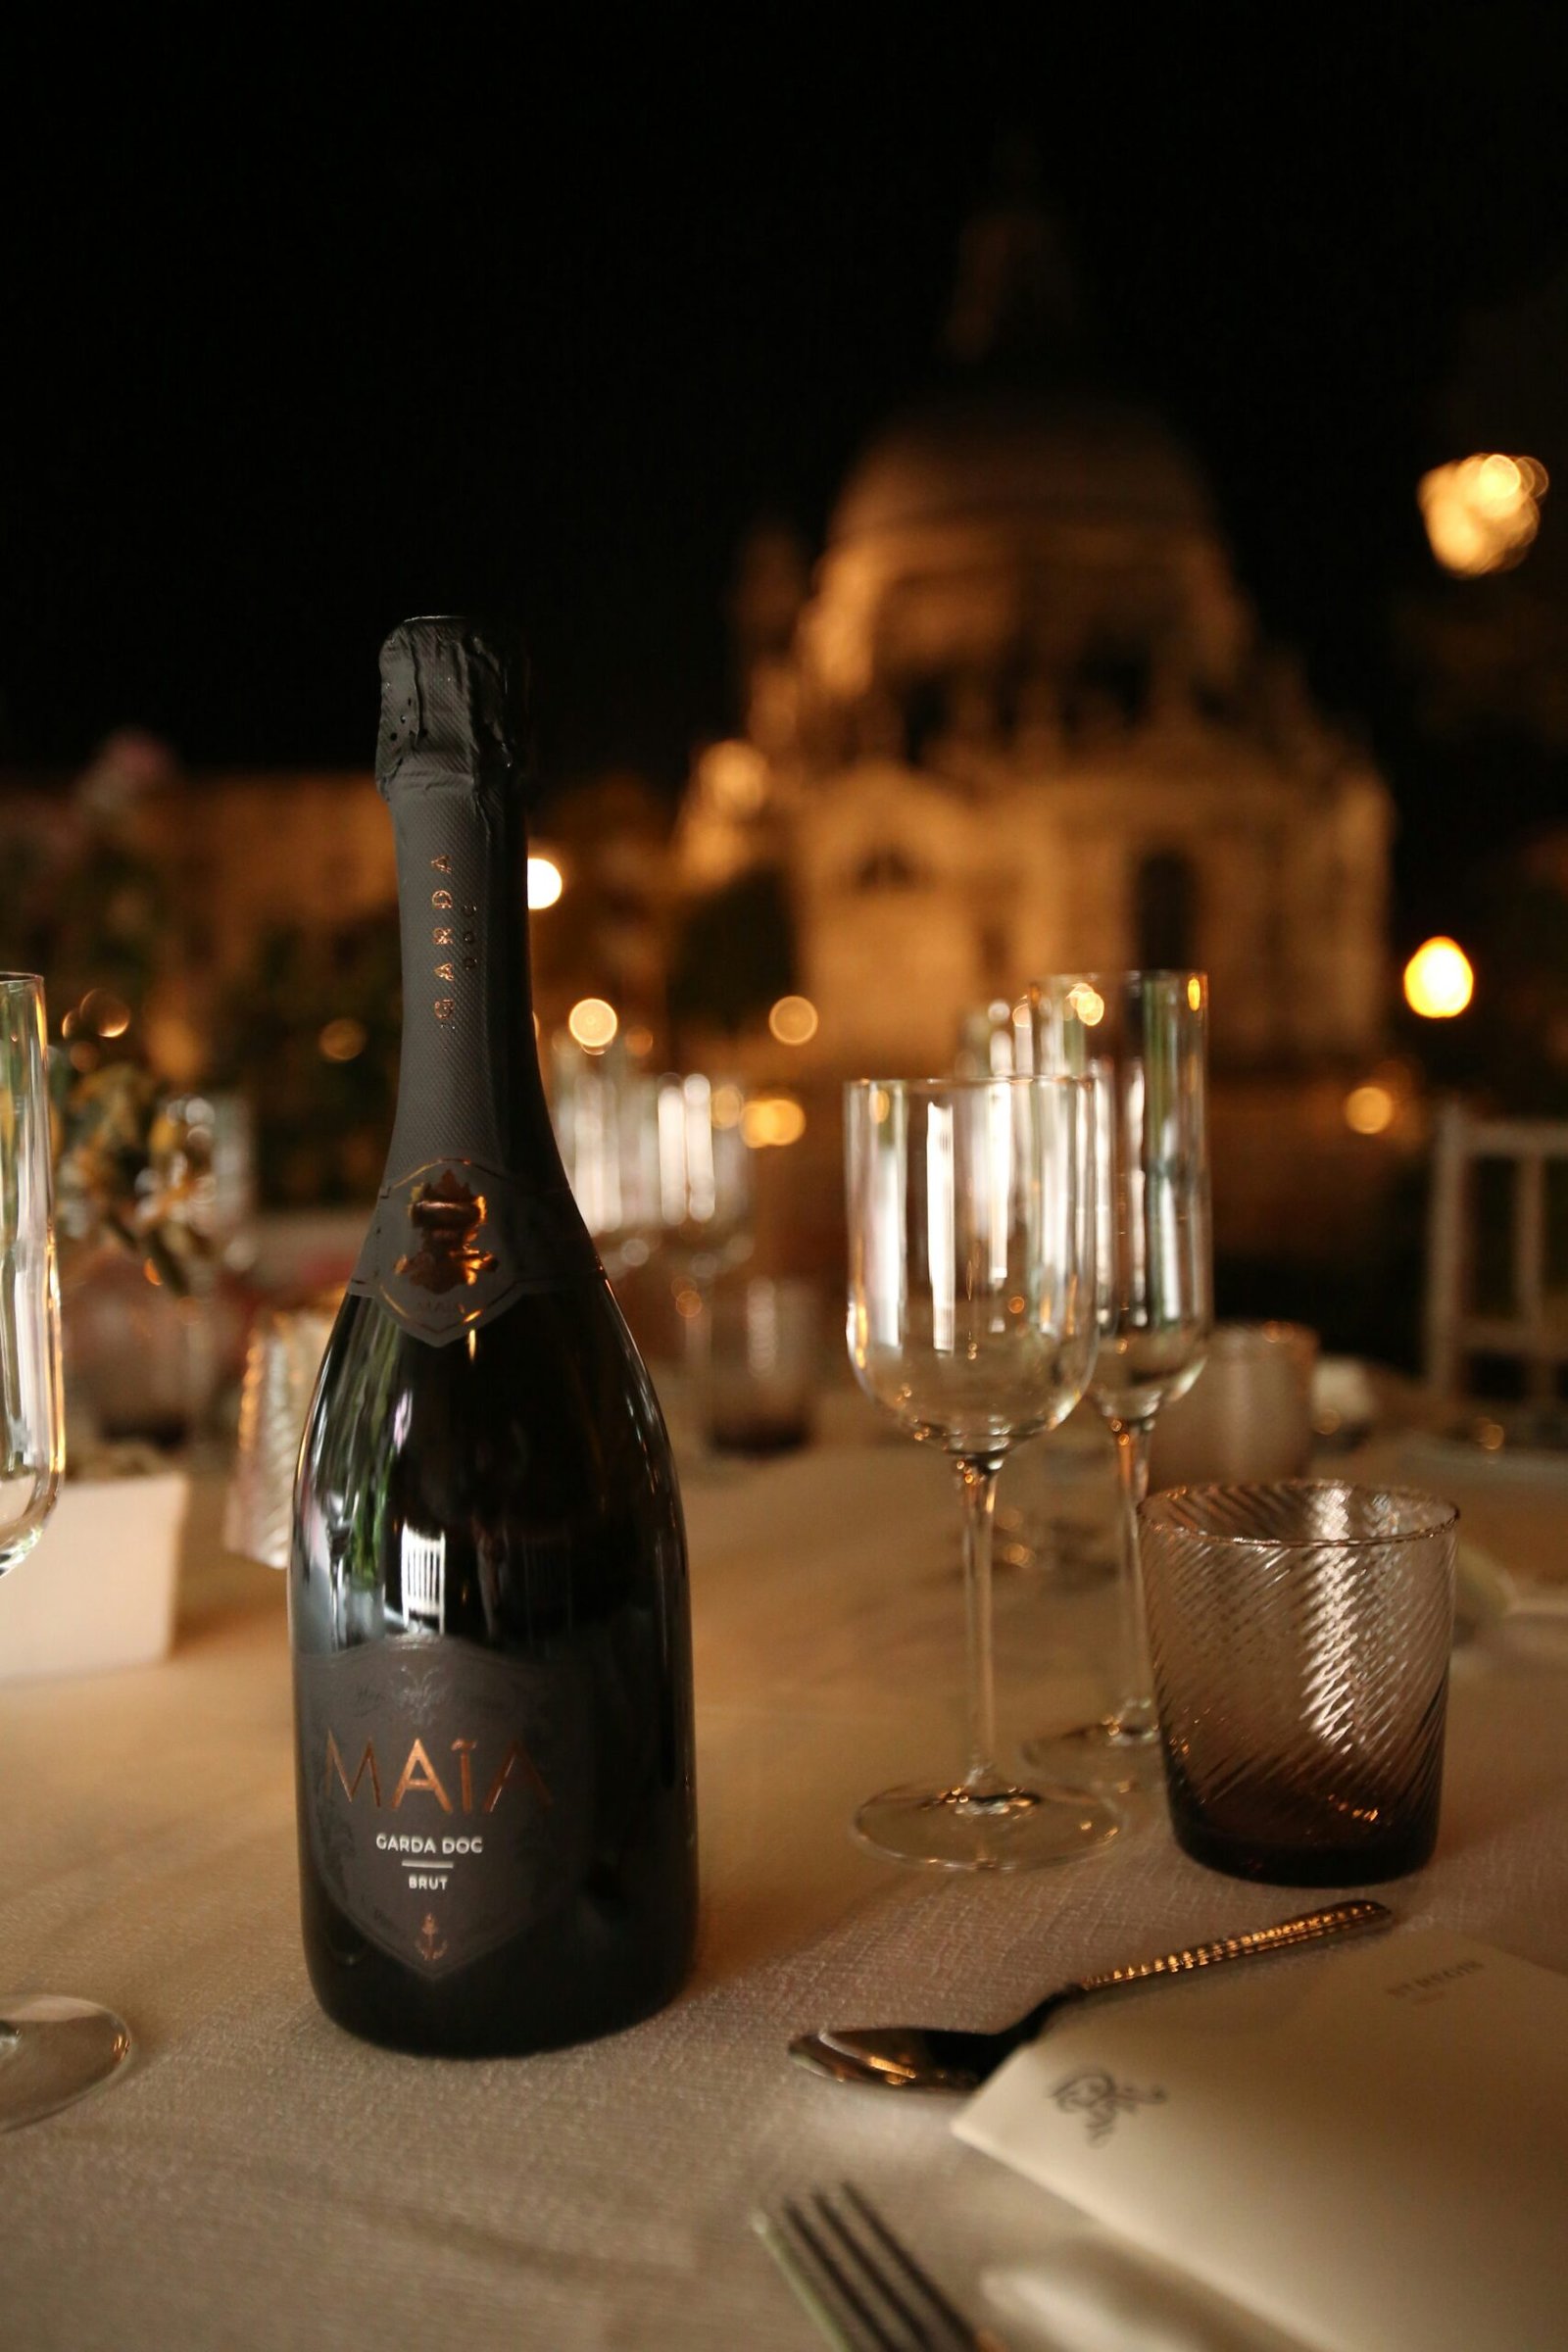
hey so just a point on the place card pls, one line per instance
(1368, 2147)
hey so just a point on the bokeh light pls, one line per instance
(545, 883)
(1438, 980)
(772, 1120)
(1481, 513)
(1369, 1109)
(592, 1023)
(342, 1040)
(792, 1020)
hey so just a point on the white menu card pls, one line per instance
(1368, 2146)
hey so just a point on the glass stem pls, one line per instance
(1134, 1713)
(977, 1495)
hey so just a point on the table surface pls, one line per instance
(261, 2179)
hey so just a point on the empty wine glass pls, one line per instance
(971, 1319)
(1142, 1039)
(606, 1116)
(51, 2048)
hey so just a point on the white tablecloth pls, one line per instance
(261, 2180)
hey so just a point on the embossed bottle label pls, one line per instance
(453, 1243)
(459, 1232)
(447, 1793)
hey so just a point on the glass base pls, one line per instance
(1001, 1828)
(1114, 1756)
(53, 2050)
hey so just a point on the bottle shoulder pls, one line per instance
(537, 1452)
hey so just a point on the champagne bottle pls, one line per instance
(487, 1596)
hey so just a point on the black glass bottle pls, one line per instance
(488, 1598)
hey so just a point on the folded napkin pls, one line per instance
(1367, 2148)
(1097, 2296)
(1487, 1595)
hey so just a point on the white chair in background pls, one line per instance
(1535, 1330)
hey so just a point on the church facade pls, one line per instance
(1021, 720)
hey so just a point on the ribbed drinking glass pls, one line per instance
(1301, 1636)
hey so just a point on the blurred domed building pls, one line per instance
(1020, 718)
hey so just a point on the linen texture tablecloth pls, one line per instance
(263, 2181)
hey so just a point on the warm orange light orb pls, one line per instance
(342, 1040)
(1088, 1004)
(1438, 980)
(592, 1023)
(1369, 1109)
(1481, 513)
(774, 1120)
(792, 1020)
(544, 883)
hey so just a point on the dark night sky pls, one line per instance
(305, 344)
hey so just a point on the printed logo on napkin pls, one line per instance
(1102, 2101)
(445, 1791)
(1364, 2146)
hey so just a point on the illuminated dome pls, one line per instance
(1020, 459)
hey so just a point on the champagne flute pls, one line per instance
(52, 2049)
(1140, 1037)
(971, 1319)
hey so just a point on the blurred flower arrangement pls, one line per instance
(134, 1168)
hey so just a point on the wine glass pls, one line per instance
(1142, 1039)
(705, 1202)
(606, 1117)
(971, 1319)
(52, 2049)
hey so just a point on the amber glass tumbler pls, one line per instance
(1300, 1635)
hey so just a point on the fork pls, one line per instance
(858, 2284)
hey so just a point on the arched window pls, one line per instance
(1165, 913)
(1113, 674)
(925, 716)
(886, 868)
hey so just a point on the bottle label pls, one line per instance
(453, 1243)
(446, 1790)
